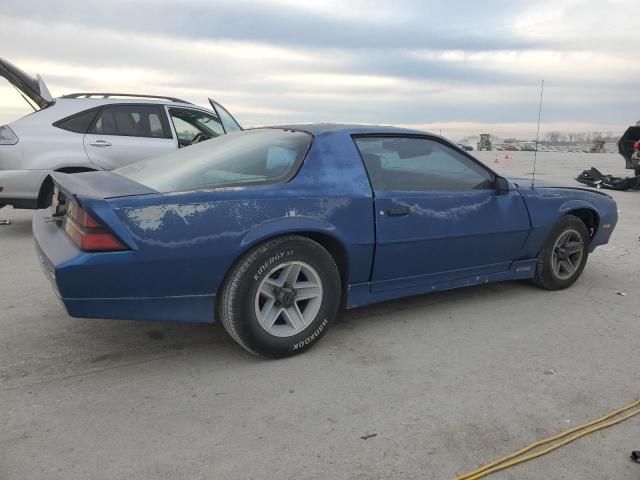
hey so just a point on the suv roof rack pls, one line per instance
(133, 95)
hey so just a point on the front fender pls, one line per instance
(548, 205)
(570, 205)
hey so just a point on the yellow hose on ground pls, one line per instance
(507, 461)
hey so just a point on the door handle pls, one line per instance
(100, 143)
(396, 212)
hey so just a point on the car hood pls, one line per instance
(526, 181)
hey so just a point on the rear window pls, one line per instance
(248, 157)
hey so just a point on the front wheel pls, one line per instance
(563, 255)
(279, 298)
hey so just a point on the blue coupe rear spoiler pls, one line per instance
(99, 185)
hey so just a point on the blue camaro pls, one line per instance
(272, 229)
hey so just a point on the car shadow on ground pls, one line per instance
(80, 346)
(19, 227)
(120, 343)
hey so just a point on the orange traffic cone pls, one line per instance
(507, 157)
(497, 160)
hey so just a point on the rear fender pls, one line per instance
(286, 226)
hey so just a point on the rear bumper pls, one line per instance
(65, 265)
(21, 188)
(196, 309)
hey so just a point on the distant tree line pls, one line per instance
(555, 137)
(579, 137)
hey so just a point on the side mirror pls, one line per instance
(502, 186)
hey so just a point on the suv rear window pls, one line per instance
(259, 156)
(78, 123)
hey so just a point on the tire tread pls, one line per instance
(540, 277)
(228, 315)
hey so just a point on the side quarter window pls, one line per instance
(78, 123)
(419, 164)
(132, 121)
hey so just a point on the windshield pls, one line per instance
(251, 156)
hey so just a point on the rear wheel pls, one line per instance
(564, 255)
(279, 298)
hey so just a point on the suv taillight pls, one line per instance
(636, 146)
(88, 234)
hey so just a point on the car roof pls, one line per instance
(322, 128)
(64, 107)
(97, 101)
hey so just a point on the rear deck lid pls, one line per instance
(33, 88)
(99, 185)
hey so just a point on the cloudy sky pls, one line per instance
(460, 66)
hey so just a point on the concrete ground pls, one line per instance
(445, 382)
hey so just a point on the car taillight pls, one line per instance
(88, 234)
(636, 146)
(7, 137)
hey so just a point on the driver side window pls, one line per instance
(194, 126)
(419, 164)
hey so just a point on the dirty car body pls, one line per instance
(177, 247)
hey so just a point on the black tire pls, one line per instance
(47, 194)
(545, 277)
(239, 297)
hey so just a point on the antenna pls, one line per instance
(535, 153)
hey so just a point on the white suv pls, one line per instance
(91, 131)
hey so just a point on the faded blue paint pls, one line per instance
(183, 244)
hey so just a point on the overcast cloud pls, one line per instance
(460, 66)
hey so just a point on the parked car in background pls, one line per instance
(527, 147)
(629, 148)
(467, 148)
(270, 230)
(82, 132)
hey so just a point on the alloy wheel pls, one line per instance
(288, 299)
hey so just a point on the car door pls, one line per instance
(125, 133)
(228, 122)
(192, 126)
(438, 214)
